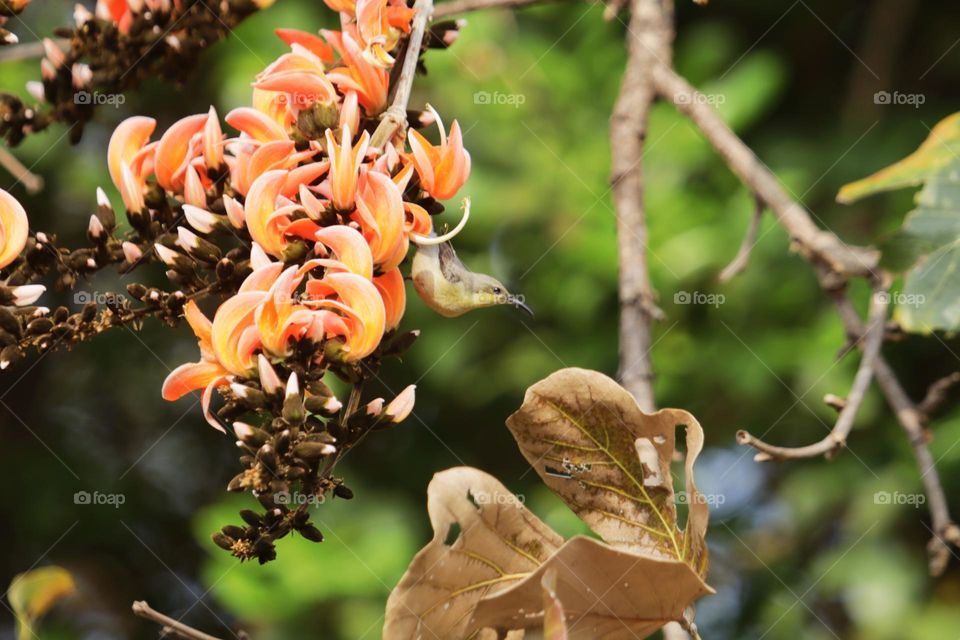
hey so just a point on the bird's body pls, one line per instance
(449, 288)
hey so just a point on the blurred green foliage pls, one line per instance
(805, 549)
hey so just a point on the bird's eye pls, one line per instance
(497, 290)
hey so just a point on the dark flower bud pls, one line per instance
(343, 491)
(222, 541)
(311, 533)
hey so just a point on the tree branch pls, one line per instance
(465, 6)
(937, 395)
(835, 262)
(837, 438)
(394, 119)
(648, 43)
(815, 244)
(739, 262)
(143, 610)
(30, 181)
(28, 50)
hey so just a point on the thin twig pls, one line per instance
(945, 532)
(465, 6)
(394, 119)
(30, 181)
(142, 609)
(837, 438)
(739, 262)
(937, 394)
(28, 50)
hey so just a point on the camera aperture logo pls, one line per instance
(499, 99)
(897, 98)
(295, 498)
(897, 498)
(97, 99)
(97, 498)
(698, 298)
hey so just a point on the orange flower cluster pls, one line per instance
(326, 215)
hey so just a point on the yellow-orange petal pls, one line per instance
(349, 246)
(363, 299)
(256, 125)
(128, 138)
(231, 320)
(173, 150)
(260, 204)
(190, 377)
(14, 228)
(313, 43)
(394, 294)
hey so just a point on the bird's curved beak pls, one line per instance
(518, 302)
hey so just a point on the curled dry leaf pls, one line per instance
(33, 593)
(484, 539)
(607, 593)
(610, 462)
(492, 565)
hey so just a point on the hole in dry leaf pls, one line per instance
(650, 459)
(473, 500)
(452, 534)
(556, 473)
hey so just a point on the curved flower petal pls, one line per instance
(349, 246)
(14, 228)
(380, 213)
(190, 377)
(367, 316)
(229, 324)
(128, 138)
(255, 124)
(260, 204)
(312, 42)
(394, 294)
(172, 153)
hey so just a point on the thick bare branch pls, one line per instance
(394, 120)
(649, 36)
(837, 438)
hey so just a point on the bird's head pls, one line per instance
(487, 291)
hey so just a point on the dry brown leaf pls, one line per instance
(497, 542)
(610, 462)
(607, 593)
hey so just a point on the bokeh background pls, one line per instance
(799, 550)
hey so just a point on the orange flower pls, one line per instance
(300, 76)
(381, 217)
(176, 149)
(394, 294)
(312, 42)
(265, 222)
(443, 169)
(357, 74)
(14, 228)
(130, 159)
(361, 306)
(345, 163)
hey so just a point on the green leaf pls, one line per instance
(931, 294)
(942, 147)
(33, 593)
